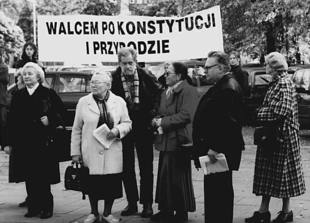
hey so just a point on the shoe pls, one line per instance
(91, 218)
(111, 219)
(23, 204)
(130, 210)
(181, 216)
(259, 217)
(283, 217)
(31, 214)
(162, 215)
(46, 214)
(147, 211)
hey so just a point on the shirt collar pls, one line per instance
(32, 90)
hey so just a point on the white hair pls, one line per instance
(38, 69)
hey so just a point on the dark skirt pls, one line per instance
(174, 190)
(105, 187)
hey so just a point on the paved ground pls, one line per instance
(69, 206)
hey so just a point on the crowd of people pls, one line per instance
(143, 113)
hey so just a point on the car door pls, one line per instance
(71, 86)
(301, 79)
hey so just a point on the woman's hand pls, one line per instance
(44, 120)
(8, 150)
(112, 134)
(76, 159)
(212, 155)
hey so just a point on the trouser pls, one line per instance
(39, 197)
(2, 124)
(219, 197)
(142, 140)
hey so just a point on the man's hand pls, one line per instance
(112, 134)
(212, 156)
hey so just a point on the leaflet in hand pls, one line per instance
(219, 166)
(100, 134)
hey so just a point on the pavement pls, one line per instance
(70, 208)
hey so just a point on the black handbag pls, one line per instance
(76, 177)
(268, 137)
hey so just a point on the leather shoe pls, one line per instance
(23, 204)
(147, 211)
(259, 217)
(283, 217)
(31, 214)
(46, 214)
(129, 210)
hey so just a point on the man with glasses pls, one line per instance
(142, 92)
(4, 80)
(217, 129)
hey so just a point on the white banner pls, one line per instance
(85, 38)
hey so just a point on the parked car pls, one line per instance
(70, 86)
(301, 79)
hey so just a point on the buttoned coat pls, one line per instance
(99, 160)
(177, 113)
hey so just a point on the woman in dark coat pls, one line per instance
(34, 113)
(278, 173)
(174, 190)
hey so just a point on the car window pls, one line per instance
(49, 80)
(262, 79)
(68, 83)
(298, 79)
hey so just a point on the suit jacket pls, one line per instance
(177, 114)
(149, 96)
(218, 121)
(98, 159)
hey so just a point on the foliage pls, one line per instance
(13, 35)
(100, 7)
(25, 21)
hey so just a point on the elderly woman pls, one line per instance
(174, 190)
(35, 111)
(101, 107)
(278, 173)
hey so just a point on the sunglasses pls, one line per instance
(209, 67)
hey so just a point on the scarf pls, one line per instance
(135, 86)
(170, 90)
(105, 116)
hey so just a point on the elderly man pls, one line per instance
(217, 129)
(142, 93)
(4, 80)
(162, 78)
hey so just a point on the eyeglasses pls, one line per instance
(207, 68)
(130, 63)
(97, 82)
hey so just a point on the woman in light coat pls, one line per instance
(105, 163)
(278, 172)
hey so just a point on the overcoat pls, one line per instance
(218, 121)
(177, 113)
(280, 175)
(98, 159)
(27, 136)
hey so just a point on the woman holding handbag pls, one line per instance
(174, 190)
(35, 112)
(105, 163)
(278, 169)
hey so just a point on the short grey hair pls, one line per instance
(125, 51)
(222, 59)
(104, 73)
(38, 69)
